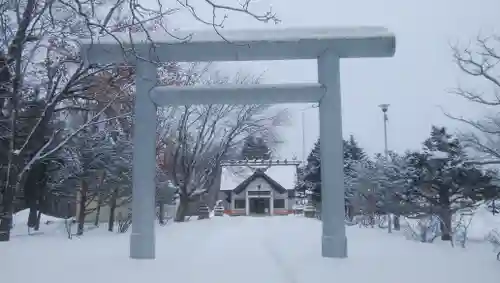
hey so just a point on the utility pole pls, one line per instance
(384, 108)
(303, 136)
(303, 122)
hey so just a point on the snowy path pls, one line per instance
(243, 250)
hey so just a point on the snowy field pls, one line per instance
(242, 249)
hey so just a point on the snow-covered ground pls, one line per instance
(243, 249)
(48, 225)
(482, 222)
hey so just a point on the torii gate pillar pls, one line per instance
(327, 45)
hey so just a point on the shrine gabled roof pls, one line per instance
(259, 174)
(233, 176)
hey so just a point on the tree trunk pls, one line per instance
(99, 200)
(112, 209)
(38, 218)
(38, 211)
(445, 224)
(31, 199)
(97, 212)
(161, 213)
(34, 187)
(5, 218)
(7, 212)
(81, 211)
(180, 214)
(10, 181)
(349, 211)
(397, 223)
(32, 216)
(445, 214)
(42, 203)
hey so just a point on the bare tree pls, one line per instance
(40, 56)
(479, 61)
(195, 139)
(203, 137)
(42, 61)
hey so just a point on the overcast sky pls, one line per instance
(414, 82)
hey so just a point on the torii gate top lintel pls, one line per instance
(246, 45)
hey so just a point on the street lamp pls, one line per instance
(384, 108)
(303, 122)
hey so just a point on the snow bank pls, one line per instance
(22, 218)
(48, 224)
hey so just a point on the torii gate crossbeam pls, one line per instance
(327, 45)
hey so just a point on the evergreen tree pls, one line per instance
(311, 172)
(353, 156)
(353, 150)
(100, 168)
(391, 180)
(35, 187)
(255, 148)
(443, 182)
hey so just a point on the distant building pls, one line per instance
(258, 191)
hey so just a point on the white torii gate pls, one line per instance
(327, 45)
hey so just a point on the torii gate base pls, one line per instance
(327, 45)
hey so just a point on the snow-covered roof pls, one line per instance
(284, 175)
(248, 35)
(232, 176)
(257, 44)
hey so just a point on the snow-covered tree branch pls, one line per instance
(44, 83)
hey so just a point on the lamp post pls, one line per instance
(303, 122)
(384, 108)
